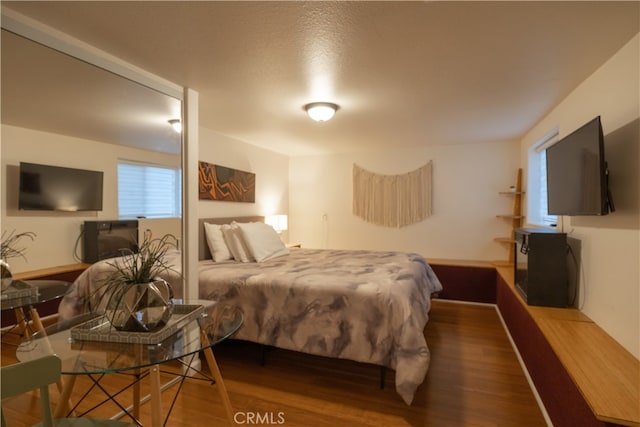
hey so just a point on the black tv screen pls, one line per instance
(577, 173)
(55, 188)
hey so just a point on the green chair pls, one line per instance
(22, 377)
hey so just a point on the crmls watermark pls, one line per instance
(259, 418)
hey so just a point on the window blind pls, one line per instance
(150, 191)
(543, 199)
(537, 206)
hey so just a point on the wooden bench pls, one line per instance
(605, 374)
(583, 376)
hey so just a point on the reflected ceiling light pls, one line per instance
(321, 111)
(176, 125)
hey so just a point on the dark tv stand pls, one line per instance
(540, 273)
(108, 239)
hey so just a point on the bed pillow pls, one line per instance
(262, 241)
(235, 243)
(217, 245)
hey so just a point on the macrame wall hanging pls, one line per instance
(392, 200)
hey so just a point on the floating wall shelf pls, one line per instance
(515, 217)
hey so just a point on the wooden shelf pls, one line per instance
(516, 216)
(605, 373)
(51, 272)
(460, 263)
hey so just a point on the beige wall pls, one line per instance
(610, 279)
(57, 232)
(466, 182)
(271, 169)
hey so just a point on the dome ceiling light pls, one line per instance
(321, 111)
(176, 125)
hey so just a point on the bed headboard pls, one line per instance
(203, 249)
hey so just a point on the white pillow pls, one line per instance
(235, 243)
(215, 241)
(262, 241)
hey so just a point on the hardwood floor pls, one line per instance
(474, 380)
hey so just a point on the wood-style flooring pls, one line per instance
(474, 380)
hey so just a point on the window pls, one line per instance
(151, 191)
(537, 212)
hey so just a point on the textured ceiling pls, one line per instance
(405, 74)
(46, 90)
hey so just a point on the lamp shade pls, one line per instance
(278, 222)
(321, 111)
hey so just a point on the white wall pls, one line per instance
(466, 182)
(610, 288)
(271, 169)
(57, 232)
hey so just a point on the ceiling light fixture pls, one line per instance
(176, 125)
(321, 111)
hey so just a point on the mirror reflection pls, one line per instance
(62, 113)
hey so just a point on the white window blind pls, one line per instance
(537, 208)
(147, 190)
(546, 219)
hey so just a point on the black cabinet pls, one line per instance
(108, 239)
(540, 270)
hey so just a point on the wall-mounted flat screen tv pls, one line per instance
(55, 188)
(577, 174)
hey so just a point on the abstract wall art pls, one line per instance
(221, 183)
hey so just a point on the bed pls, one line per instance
(366, 306)
(79, 299)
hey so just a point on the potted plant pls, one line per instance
(9, 249)
(133, 295)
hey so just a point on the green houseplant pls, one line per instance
(133, 295)
(9, 248)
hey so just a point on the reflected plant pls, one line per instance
(9, 245)
(145, 265)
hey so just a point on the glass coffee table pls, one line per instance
(27, 316)
(93, 359)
